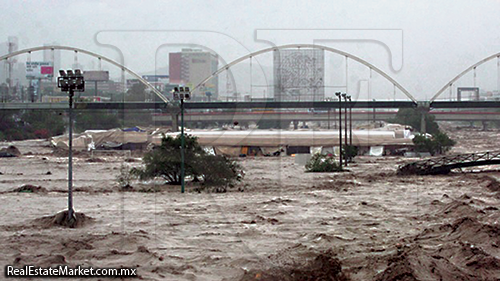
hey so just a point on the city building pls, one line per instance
(104, 87)
(299, 75)
(190, 67)
(12, 72)
(53, 56)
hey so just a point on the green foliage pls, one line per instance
(423, 144)
(217, 170)
(413, 117)
(165, 161)
(124, 179)
(96, 121)
(350, 151)
(439, 143)
(136, 93)
(443, 142)
(322, 163)
(44, 123)
(20, 125)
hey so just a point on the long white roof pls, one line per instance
(292, 138)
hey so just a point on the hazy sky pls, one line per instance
(426, 42)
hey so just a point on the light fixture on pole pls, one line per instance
(70, 82)
(181, 94)
(338, 94)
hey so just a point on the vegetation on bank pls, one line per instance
(40, 124)
(20, 125)
(320, 163)
(438, 143)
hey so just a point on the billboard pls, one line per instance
(39, 69)
(96, 75)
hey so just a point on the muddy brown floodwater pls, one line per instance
(364, 224)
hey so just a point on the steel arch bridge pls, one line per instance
(100, 57)
(472, 67)
(310, 46)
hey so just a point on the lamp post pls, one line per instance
(350, 120)
(181, 94)
(338, 94)
(70, 82)
(344, 95)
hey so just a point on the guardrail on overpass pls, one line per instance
(250, 105)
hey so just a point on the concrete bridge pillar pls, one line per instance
(295, 124)
(423, 127)
(424, 108)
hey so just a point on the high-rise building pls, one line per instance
(190, 67)
(10, 66)
(299, 75)
(53, 56)
(12, 72)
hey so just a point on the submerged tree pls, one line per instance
(165, 161)
(322, 163)
(439, 143)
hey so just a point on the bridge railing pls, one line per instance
(433, 164)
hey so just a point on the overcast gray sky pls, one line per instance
(439, 38)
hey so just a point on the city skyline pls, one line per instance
(438, 39)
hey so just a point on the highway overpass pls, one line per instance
(332, 116)
(252, 105)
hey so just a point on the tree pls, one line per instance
(322, 163)
(413, 117)
(439, 143)
(20, 125)
(217, 170)
(136, 93)
(96, 121)
(165, 161)
(44, 124)
(443, 142)
(350, 151)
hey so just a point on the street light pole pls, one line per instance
(181, 94)
(182, 146)
(345, 120)
(70, 82)
(70, 156)
(338, 94)
(350, 121)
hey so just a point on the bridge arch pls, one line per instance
(78, 50)
(450, 83)
(310, 46)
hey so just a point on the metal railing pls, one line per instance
(443, 164)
